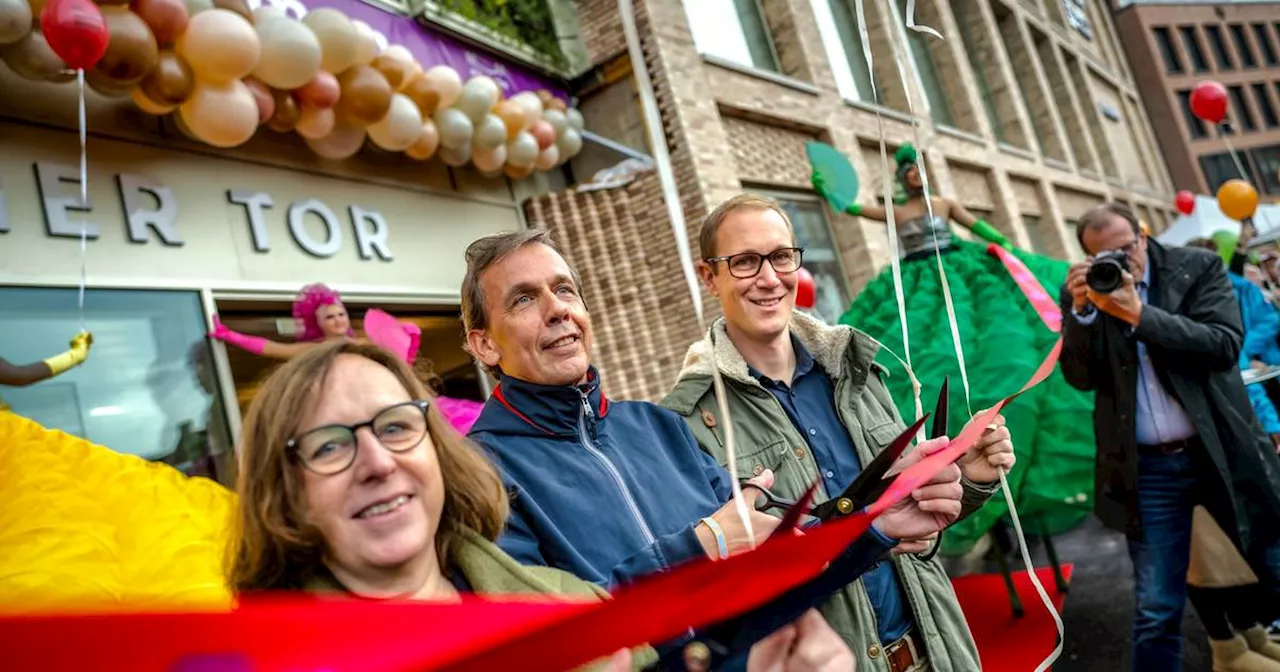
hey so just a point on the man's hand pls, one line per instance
(931, 507)
(992, 450)
(1123, 304)
(1275, 441)
(735, 534)
(1257, 366)
(1077, 286)
(806, 645)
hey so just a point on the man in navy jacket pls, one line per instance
(609, 491)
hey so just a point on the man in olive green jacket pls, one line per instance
(807, 403)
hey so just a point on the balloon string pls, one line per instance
(1235, 156)
(84, 201)
(671, 196)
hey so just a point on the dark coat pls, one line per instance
(1191, 325)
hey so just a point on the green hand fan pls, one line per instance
(837, 174)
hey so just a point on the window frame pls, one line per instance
(784, 195)
(1173, 64)
(1218, 45)
(1239, 36)
(1195, 50)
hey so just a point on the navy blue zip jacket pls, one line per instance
(608, 491)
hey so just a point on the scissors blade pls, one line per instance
(791, 520)
(871, 481)
(939, 427)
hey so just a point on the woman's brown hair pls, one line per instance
(274, 547)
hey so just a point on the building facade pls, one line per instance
(1172, 47)
(1026, 110)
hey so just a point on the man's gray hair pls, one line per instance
(488, 251)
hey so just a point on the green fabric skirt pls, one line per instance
(1003, 340)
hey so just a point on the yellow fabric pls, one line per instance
(83, 526)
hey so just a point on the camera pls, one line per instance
(1107, 272)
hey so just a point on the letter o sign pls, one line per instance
(298, 212)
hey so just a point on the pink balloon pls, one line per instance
(322, 92)
(543, 133)
(262, 97)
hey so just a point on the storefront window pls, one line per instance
(813, 233)
(734, 30)
(148, 388)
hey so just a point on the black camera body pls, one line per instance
(1107, 272)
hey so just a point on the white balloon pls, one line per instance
(367, 45)
(490, 160)
(455, 128)
(523, 150)
(315, 123)
(478, 97)
(455, 156)
(343, 142)
(490, 133)
(446, 82)
(576, 122)
(15, 20)
(547, 158)
(569, 144)
(559, 123)
(290, 53)
(531, 105)
(400, 128)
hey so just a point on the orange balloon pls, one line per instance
(512, 115)
(425, 96)
(366, 95)
(518, 172)
(132, 53)
(287, 112)
(543, 133)
(166, 18)
(170, 82)
(556, 104)
(262, 98)
(395, 70)
(1238, 199)
(321, 92)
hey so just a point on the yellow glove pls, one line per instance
(74, 357)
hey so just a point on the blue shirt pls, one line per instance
(1160, 418)
(810, 403)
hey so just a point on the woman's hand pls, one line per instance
(807, 645)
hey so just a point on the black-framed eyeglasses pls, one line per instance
(332, 449)
(748, 264)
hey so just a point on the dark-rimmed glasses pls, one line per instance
(332, 449)
(748, 264)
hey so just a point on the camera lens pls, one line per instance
(1105, 275)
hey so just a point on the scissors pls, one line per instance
(869, 485)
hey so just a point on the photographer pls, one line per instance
(1156, 334)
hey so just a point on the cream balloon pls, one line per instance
(569, 144)
(265, 12)
(343, 142)
(15, 20)
(222, 115)
(426, 144)
(339, 39)
(576, 122)
(150, 106)
(490, 133)
(290, 53)
(522, 151)
(456, 157)
(531, 105)
(197, 6)
(548, 158)
(478, 96)
(455, 128)
(490, 160)
(490, 174)
(445, 81)
(220, 46)
(400, 128)
(315, 122)
(366, 43)
(559, 123)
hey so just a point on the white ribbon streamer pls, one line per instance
(671, 195)
(84, 203)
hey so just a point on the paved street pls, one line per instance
(1099, 607)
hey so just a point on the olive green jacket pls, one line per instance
(766, 439)
(489, 570)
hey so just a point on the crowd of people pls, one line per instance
(352, 480)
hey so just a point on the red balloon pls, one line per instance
(76, 31)
(1185, 202)
(805, 297)
(1209, 102)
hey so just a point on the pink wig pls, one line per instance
(308, 301)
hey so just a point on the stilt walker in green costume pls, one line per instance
(1003, 340)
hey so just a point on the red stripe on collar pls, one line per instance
(502, 399)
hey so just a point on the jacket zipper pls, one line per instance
(613, 471)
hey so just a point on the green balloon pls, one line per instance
(1226, 241)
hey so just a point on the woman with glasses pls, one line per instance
(1003, 339)
(352, 482)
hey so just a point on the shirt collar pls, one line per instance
(804, 364)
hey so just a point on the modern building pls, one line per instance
(1172, 46)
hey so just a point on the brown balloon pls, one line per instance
(32, 58)
(396, 71)
(287, 113)
(366, 95)
(131, 54)
(238, 6)
(557, 104)
(166, 18)
(419, 90)
(170, 82)
(262, 98)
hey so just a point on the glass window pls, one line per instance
(1219, 46)
(1268, 161)
(813, 233)
(1263, 98)
(734, 30)
(1243, 114)
(1194, 125)
(1219, 168)
(1191, 42)
(1243, 46)
(148, 387)
(843, 43)
(1264, 43)
(1169, 52)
